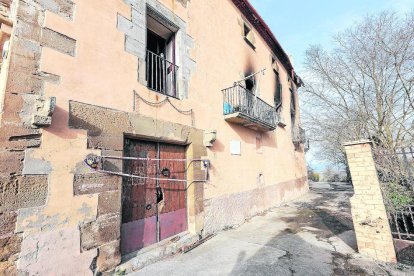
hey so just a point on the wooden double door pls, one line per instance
(153, 205)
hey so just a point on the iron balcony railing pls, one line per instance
(299, 135)
(237, 99)
(161, 74)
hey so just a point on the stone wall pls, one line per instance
(54, 211)
(21, 185)
(371, 224)
(107, 129)
(136, 39)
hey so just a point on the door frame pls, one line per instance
(114, 126)
(158, 143)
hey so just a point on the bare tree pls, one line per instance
(363, 87)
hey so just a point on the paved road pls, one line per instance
(311, 236)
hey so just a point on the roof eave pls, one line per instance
(254, 18)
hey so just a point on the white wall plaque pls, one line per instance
(235, 147)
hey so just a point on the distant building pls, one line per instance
(199, 94)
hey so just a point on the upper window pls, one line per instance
(292, 105)
(278, 93)
(275, 65)
(250, 84)
(249, 35)
(161, 70)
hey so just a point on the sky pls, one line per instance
(300, 23)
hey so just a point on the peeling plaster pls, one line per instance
(35, 166)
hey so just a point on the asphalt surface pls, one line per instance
(311, 236)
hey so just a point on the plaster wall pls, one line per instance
(100, 72)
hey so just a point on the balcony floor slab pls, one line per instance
(247, 121)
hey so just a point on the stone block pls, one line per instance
(24, 64)
(7, 268)
(28, 12)
(26, 48)
(24, 83)
(23, 192)
(135, 47)
(106, 141)
(93, 183)
(58, 41)
(98, 120)
(9, 198)
(104, 230)
(13, 105)
(33, 190)
(113, 165)
(138, 16)
(9, 246)
(34, 166)
(109, 256)
(64, 8)
(29, 30)
(11, 162)
(109, 203)
(132, 29)
(7, 223)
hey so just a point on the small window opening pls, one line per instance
(275, 66)
(250, 84)
(161, 73)
(246, 30)
(292, 107)
(249, 35)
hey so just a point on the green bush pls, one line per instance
(314, 177)
(397, 195)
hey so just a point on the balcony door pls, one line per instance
(161, 68)
(170, 67)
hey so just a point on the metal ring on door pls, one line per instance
(165, 172)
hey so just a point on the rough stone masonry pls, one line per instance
(24, 184)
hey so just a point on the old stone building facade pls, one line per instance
(199, 94)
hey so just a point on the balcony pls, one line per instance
(161, 74)
(299, 136)
(240, 106)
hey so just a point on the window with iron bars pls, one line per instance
(161, 70)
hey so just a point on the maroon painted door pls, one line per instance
(152, 209)
(172, 212)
